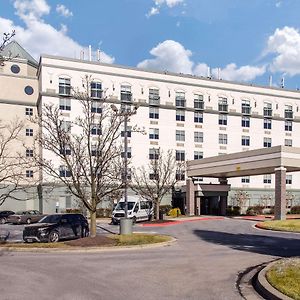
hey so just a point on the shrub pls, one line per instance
(74, 211)
(164, 209)
(103, 212)
(174, 212)
(254, 210)
(295, 209)
(233, 211)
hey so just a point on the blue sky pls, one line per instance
(249, 40)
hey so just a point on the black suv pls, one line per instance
(4, 214)
(53, 228)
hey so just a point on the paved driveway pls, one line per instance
(203, 264)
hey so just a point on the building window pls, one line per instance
(180, 135)
(64, 172)
(198, 137)
(267, 179)
(198, 102)
(223, 106)
(153, 133)
(153, 176)
(180, 175)
(29, 173)
(267, 124)
(28, 90)
(96, 107)
(180, 99)
(96, 90)
(288, 112)
(153, 112)
(288, 142)
(128, 132)
(128, 153)
(267, 142)
(153, 153)
(245, 179)
(28, 111)
(288, 125)
(246, 108)
(64, 86)
(95, 151)
(245, 121)
(180, 155)
(180, 115)
(198, 117)
(29, 153)
(125, 107)
(29, 132)
(154, 98)
(222, 119)
(126, 94)
(66, 150)
(223, 139)
(267, 109)
(65, 126)
(288, 179)
(65, 104)
(245, 140)
(198, 155)
(96, 129)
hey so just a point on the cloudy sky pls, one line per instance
(248, 40)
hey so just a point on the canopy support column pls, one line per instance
(280, 193)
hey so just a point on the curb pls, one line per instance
(265, 288)
(256, 226)
(88, 249)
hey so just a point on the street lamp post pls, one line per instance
(125, 223)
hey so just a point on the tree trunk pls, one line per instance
(157, 210)
(93, 224)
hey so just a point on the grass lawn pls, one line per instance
(285, 277)
(286, 225)
(98, 241)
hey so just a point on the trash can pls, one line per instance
(125, 226)
(162, 215)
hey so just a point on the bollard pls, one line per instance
(125, 226)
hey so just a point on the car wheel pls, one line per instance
(28, 221)
(3, 220)
(150, 218)
(53, 237)
(133, 220)
(85, 233)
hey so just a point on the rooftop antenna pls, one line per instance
(282, 82)
(270, 81)
(98, 54)
(219, 74)
(90, 53)
(82, 54)
(208, 72)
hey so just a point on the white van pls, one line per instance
(138, 210)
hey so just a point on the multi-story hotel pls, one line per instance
(197, 117)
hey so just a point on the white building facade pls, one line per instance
(194, 116)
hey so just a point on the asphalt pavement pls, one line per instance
(204, 263)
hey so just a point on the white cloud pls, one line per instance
(158, 3)
(278, 4)
(285, 44)
(172, 56)
(64, 11)
(38, 37)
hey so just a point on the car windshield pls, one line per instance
(51, 219)
(121, 205)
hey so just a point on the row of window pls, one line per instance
(96, 91)
(267, 179)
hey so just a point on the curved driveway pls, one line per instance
(202, 264)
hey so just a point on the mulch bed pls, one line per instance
(99, 240)
(159, 221)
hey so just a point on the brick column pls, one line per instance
(280, 193)
(190, 197)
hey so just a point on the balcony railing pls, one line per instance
(268, 112)
(199, 105)
(97, 94)
(288, 114)
(154, 100)
(126, 96)
(180, 102)
(246, 110)
(223, 107)
(64, 90)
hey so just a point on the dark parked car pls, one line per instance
(53, 228)
(25, 217)
(4, 214)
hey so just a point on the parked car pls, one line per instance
(4, 214)
(53, 228)
(25, 217)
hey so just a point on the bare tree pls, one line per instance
(240, 198)
(86, 150)
(12, 163)
(6, 38)
(157, 179)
